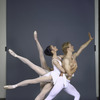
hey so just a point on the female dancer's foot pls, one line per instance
(12, 53)
(10, 86)
(35, 35)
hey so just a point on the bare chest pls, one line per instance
(72, 63)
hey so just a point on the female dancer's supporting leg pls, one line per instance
(47, 87)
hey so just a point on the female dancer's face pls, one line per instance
(54, 48)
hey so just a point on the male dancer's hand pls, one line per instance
(61, 74)
(90, 37)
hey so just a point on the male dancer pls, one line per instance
(70, 65)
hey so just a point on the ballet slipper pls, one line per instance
(12, 53)
(35, 35)
(9, 86)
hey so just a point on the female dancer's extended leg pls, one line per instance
(36, 68)
(41, 53)
(30, 81)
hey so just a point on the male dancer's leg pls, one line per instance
(70, 89)
(56, 89)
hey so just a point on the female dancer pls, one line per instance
(51, 76)
(41, 71)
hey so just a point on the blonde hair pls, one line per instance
(65, 45)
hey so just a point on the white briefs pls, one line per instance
(55, 73)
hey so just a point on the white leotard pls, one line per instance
(55, 73)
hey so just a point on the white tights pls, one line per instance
(70, 89)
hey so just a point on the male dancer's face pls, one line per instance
(71, 48)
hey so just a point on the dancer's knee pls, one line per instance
(40, 97)
(37, 98)
(77, 96)
(50, 97)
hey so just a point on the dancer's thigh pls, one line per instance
(70, 89)
(36, 68)
(56, 89)
(44, 91)
(42, 79)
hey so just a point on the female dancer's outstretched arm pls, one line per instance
(36, 68)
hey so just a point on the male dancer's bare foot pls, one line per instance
(35, 35)
(10, 86)
(12, 53)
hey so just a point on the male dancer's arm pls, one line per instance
(83, 46)
(68, 70)
(79, 51)
(66, 66)
(72, 72)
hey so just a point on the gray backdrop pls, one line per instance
(56, 21)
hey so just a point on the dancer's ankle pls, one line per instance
(14, 86)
